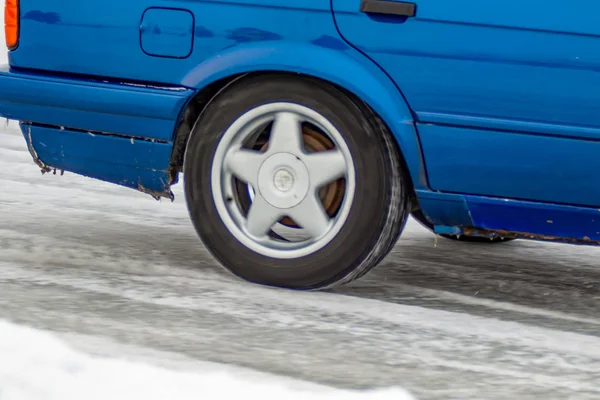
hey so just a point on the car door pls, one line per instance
(506, 92)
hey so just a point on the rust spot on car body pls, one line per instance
(525, 235)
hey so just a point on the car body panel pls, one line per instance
(135, 163)
(512, 165)
(457, 214)
(470, 58)
(496, 122)
(72, 36)
(125, 109)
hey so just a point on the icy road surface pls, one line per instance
(118, 273)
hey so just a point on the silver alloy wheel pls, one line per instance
(285, 180)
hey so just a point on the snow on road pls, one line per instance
(36, 366)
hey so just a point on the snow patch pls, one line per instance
(36, 365)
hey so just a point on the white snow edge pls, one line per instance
(37, 365)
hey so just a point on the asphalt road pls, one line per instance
(102, 264)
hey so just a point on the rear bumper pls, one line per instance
(91, 105)
(115, 132)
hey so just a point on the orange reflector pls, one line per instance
(11, 23)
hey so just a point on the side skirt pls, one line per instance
(456, 214)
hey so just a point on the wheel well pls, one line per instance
(190, 115)
(202, 99)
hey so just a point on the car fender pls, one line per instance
(342, 65)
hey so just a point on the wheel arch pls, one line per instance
(349, 71)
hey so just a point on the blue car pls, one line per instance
(307, 131)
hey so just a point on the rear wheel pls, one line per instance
(291, 183)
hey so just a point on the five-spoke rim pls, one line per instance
(284, 177)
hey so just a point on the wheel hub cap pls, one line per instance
(283, 180)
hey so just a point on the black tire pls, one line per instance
(377, 215)
(420, 218)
